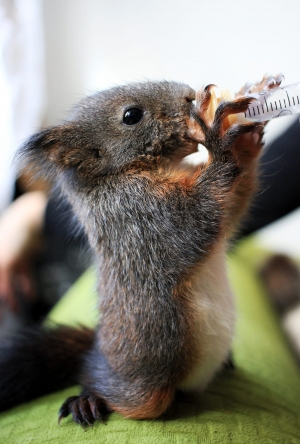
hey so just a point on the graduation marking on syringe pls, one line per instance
(274, 102)
(266, 104)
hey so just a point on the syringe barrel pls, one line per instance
(275, 102)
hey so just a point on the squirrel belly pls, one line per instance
(215, 319)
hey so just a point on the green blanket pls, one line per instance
(259, 402)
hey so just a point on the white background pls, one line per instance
(94, 44)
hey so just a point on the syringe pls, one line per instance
(274, 102)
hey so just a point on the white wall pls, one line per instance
(94, 44)
(22, 88)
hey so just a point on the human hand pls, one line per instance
(20, 238)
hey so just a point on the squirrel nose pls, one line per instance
(190, 98)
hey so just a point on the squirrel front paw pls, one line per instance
(243, 141)
(267, 82)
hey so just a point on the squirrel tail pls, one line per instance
(40, 360)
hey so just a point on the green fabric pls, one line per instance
(259, 402)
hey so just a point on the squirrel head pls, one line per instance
(142, 124)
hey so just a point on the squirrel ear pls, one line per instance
(46, 149)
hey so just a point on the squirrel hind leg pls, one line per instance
(151, 407)
(132, 393)
(86, 408)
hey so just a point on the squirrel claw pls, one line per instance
(279, 79)
(248, 88)
(271, 82)
(209, 87)
(229, 363)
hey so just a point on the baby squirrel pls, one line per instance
(159, 230)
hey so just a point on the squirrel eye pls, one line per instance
(132, 116)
